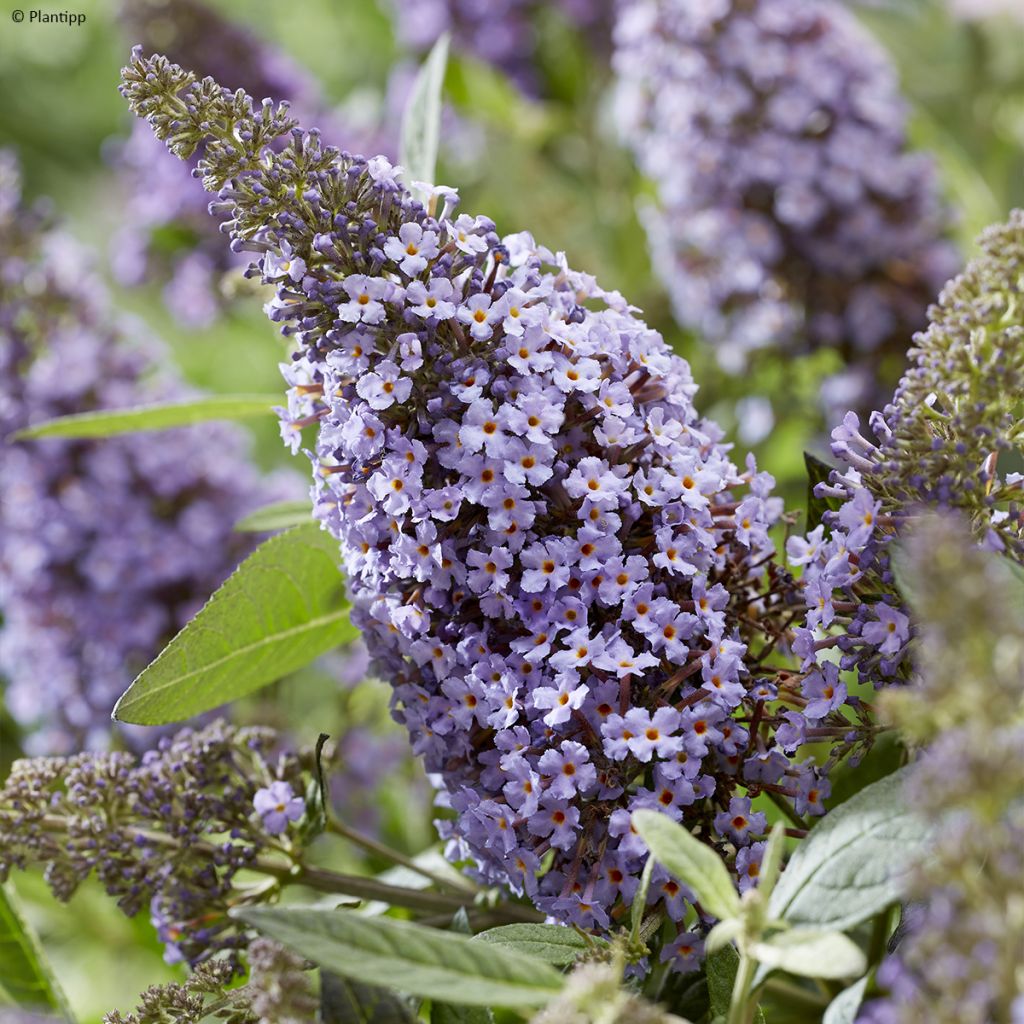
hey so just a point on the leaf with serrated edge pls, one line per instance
(165, 416)
(694, 863)
(421, 120)
(843, 1009)
(811, 953)
(25, 977)
(425, 962)
(553, 943)
(854, 862)
(279, 516)
(280, 609)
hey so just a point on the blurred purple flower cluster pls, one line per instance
(106, 547)
(789, 211)
(500, 32)
(552, 557)
(957, 951)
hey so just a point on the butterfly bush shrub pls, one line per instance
(553, 558)
(951, 438)
(959, 955)
(790, 212)
(106, 547)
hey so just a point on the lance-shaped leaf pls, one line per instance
(280, 609)
(552, 943)
(694, 863)
(25, 977)
(421, 119)
(854, 862)
(425, 962)
(843, 1009)
(279, 516)
(108, 422)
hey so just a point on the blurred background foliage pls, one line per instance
(552, 167)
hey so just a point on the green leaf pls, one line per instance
(279, 516)
(447, 1013)
(552, 943)
(344, 1001)
(636, 911)
(771, 863)
(280, 609)
(720, 969)
(817, 472)
(854, 862)
(811, 953)
(25, 977)
(108, 422)
(843, 1009)
(421, 120)
(694, 863)
(424, 962)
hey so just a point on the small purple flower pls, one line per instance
(738, 822)
(367, 295)
(278, 805)
(412, 248)
(890, 632)
(383, 387)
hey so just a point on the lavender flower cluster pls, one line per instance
(949, 439)
(553, 558)
(500, 32)
(168, 234)
(789, 211)
(106, 547)
(958, 958)
(166, 832)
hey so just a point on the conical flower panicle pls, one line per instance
(555, 563)
(166, 234)
(952, 438)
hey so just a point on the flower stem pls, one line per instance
(372, 845)
(739, 1011)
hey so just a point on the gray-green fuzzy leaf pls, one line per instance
(424, 962)
(108, 422)
(854, 862)
(421, 119)
(279, 516)
(811, 953)
(843, 1009)
(25, 976)
(694, 863)
(552, 943)
(280, 609)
